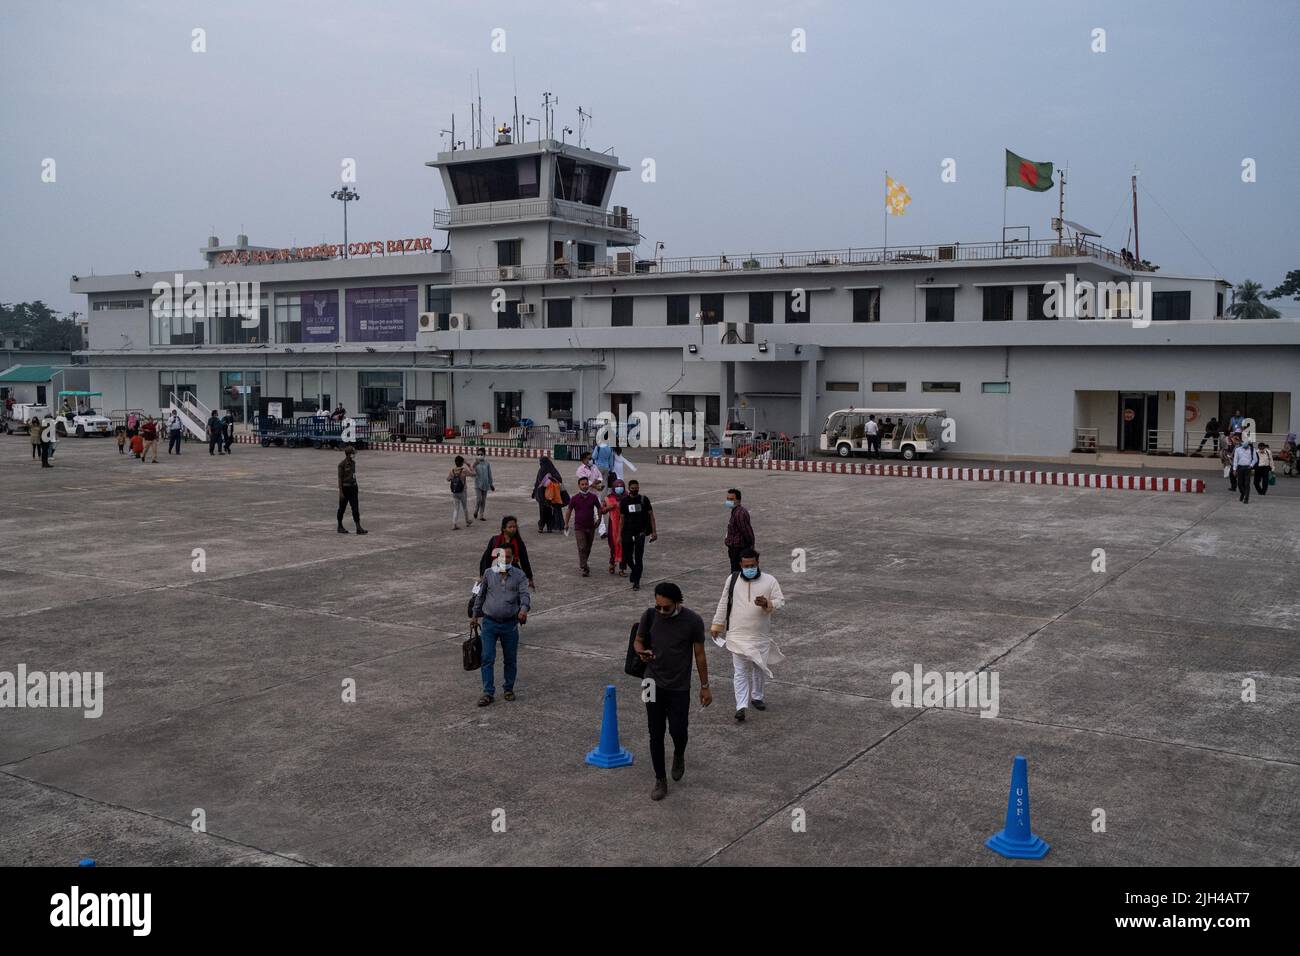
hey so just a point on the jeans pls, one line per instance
(634, 554)
(174, 442)
(350, 497)
(1243, 482)
(508, 631)
(460, 506)
(671, 707)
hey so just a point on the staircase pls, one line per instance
(193, 414)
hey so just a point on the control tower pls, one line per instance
(530, 211)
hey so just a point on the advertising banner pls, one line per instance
(320, 316)
(382, 315)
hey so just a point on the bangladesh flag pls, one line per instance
(1027, 174)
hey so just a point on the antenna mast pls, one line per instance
(583, 117)
(1137, 242)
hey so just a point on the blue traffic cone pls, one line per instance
(87, 861)
(609, 753)
(1016, 840)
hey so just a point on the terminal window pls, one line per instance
(997, 303)
(1038, 303)
(760, 308)
(1171, 307)
(803, 312)
(841, 386)
(559, 405)
(866, 305)
(889, 386)
(940, 305)
(941, 386)
(495, 180)
(580, 182)
(559, 314)
(679, 310)
(620, 311)
(710, 308)
(508, 318)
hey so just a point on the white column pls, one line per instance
(1180, 420)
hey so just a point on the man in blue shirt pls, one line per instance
(502, 603)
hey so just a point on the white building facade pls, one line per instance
(541, 308)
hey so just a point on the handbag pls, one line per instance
(633, 666)
(1272, 479)
(553, 495)
(602, 529)
(1227, 471)
(471, 651)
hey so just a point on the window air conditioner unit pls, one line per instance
(527, 308)
(507, 273)
(736, 333)
(458, 322)
(623, 263)
(947, 252)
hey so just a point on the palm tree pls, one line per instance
(1246, 303)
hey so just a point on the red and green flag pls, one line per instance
(1028, 174)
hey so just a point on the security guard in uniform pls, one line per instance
(348, 489)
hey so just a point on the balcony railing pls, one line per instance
(817, 259)
(479, 214)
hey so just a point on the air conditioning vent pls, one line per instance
(458, 322)
(623, 263)
(947, 252)
(507, 273)
(527, 308)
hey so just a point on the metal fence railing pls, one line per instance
(820, 258)
(778, 448)
(1085, 439)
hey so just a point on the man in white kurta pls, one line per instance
(755, 599)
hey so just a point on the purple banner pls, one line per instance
(320, 316)
(382, 315)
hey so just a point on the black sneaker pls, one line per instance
(757, 704)
(661, 789)
(361, 530)
(740, 714)
(342, 530)
(679, 765)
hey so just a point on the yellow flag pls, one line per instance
(896, 197)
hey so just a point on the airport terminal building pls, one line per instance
(541, 308)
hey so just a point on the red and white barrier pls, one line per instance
(432, 448)
(952, 473)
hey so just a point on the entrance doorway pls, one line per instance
(1138, 415)
(617, 399)
(509, 409)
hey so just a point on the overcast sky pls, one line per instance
(757, 148)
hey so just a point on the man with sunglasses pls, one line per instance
(668, 637)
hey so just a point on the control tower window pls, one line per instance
(496, 180)
(580, 182)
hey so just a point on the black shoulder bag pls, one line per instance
(634, 666)
(731, 593)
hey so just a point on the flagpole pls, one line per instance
(1003, 240)
(886, 251)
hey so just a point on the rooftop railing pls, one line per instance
(815, 259)
(483, 213)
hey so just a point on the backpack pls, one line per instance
(457, 482)
(634, 666)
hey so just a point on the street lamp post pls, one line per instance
(345, 196)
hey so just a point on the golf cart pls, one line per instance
(906, 432)
(83, 422)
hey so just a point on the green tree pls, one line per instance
(38, 327)
(1290, 286)
(1247, 304)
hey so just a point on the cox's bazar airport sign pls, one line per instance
(389, 247)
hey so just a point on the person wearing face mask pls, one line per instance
(740, 532)
(502, 604)
(668, 637)
(603, 457)
(348, 494)
(637, 517)
(614, 527)
(742, 625)
(482, 484)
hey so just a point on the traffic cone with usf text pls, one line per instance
(1017, 841)
(609, 753)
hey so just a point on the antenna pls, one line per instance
(514, 76)
(583, 118)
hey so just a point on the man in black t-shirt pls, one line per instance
(638, 519)
(668, 637)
